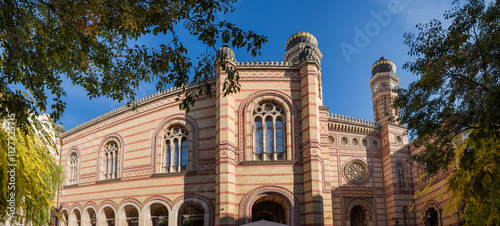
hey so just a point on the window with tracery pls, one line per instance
(175, 150)
(401, 177)
(356, 172)
(111, 154)
(269, 132)
(73, 168)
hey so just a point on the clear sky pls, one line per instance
(351, 34)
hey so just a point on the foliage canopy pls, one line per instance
(28, 173)
(42, 41)
(453, 109)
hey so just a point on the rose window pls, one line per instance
(356, 172)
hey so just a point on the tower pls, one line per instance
(302, 49)
(395, 150)
(383, 80)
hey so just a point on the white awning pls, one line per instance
(263, 223)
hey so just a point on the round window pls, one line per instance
(344, 140)
(365, 143)
(331, 140)
(356, 172)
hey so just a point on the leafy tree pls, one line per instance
(453, 109)
(28, 173)
(42, 41)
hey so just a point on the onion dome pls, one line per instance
(301, 37)
(60, 129)
(307, 54)
(225, 53)
(383, 65)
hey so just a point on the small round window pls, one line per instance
(365, 143)
(344, 140)
(355, 142)
(398, 139)
(331, 140)
(375, 143)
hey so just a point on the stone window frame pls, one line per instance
(365, 166)
(276, 114)
(73, 170)
(111, 160)
(181, 136)
(119, 160)
(245, 126)
(402, 185)
(158, 143)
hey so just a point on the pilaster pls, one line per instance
(226, 205)
(311, 152)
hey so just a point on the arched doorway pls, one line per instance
(358, 212)
(271, 208)
(431, 217)
(191, 214)
(358, 216)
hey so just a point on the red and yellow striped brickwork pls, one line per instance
(332, 170)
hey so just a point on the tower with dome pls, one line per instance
(270, 152)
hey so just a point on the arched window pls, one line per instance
(405, 213)
(269, 132)
(73, 168)
(385, 106)
(191, 213)
(401, 177)
(175, 150)
(111, 162)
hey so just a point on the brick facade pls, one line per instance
(332, 169)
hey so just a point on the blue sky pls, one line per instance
(352, 35)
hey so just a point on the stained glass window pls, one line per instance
(258, 136)
(168, 155)
(184, 152)
(356, 172)
(269, 135)
(279, 136)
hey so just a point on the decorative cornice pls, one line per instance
(264, 63)
(143, 101)
(351, 124)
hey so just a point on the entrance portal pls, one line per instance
(270, 208)
(358, 216)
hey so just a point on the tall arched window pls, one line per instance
(111, 160)
(73, 168)
(269, 132)
(385, 106)
(401, 177)
(405, 213)
(176, 150)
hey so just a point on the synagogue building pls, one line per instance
(270, 152)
